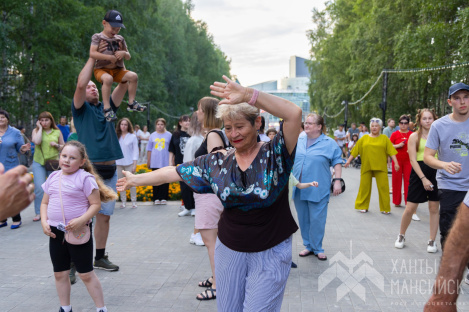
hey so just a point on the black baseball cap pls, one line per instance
(457, 87)
(114, 18)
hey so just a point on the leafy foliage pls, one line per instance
(44, 45)
(354, 40)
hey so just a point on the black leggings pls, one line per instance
(62, 253)
(187, 196)
(160, 192)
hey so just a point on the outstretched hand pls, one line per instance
(125, 183)
(230, 92)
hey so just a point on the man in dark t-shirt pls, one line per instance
(102, 146)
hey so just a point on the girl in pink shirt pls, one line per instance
(82, 192)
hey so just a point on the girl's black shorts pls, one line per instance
(63, 253)
(417, 193)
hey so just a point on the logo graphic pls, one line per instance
(460, 145)
(350, 276)
(160, 144)
(118, 18)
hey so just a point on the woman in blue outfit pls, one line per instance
(253, 249)
(315, 154)
(11, 143)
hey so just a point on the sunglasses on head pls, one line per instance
(375, 120)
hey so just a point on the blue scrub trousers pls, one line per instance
(312, 219)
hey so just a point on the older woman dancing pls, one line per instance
(253, 250)
(374, 150)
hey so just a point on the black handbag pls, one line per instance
(50, 164)
(105, 171)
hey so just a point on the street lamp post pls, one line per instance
(346, 114)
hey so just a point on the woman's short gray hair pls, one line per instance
(242, 110)
(379, 121)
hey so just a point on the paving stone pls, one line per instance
(160, 270)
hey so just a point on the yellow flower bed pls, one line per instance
(145, 193)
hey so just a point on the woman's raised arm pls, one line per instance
(233, 93)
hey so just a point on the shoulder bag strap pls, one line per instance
(60, 194)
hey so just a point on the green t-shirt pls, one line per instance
(98, 135)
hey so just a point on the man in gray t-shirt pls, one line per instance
(449, 136)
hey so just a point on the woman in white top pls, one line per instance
(129, 146)
(144, 136)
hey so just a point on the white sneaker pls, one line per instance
(123, 205)
(196, 239)
(415, 217)
(157, 202)
(182, 207)
(163, 202)
(399, 241)
(184, 213)
(193, 212)
(431, 247)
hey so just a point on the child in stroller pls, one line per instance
(356, 162)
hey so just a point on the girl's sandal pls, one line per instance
(206, 283)
(205, 294)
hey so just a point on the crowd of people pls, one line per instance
(234, 178)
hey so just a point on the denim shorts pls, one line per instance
(107, 209)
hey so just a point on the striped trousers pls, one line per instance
(252, 281)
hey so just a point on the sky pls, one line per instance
(259, 36)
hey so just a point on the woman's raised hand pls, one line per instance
(231, 92)
(125, 183)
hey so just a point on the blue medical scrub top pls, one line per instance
(313, 164)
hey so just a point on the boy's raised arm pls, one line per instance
(83, 80)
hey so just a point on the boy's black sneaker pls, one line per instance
(110, 115)
(136, 107)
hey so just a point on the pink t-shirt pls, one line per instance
(75, 191)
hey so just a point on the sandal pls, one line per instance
(110, 115)
(37, 218)
(306, 253)
(136, 107)
(363, 211)
(206, 283)
(386, 212)
(205, 294)
(321, 256)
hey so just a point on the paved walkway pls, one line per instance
(159, 269)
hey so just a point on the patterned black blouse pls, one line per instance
(257, 214)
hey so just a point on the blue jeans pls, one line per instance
(40, 176)
(107, 209)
